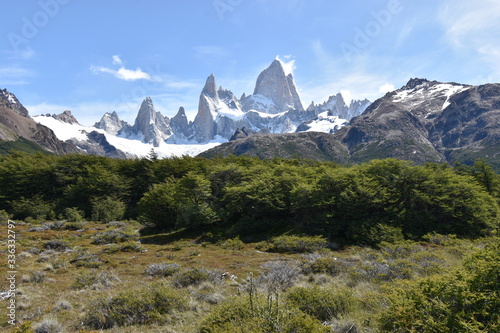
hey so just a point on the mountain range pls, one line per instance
(423, 121)
(274, 107)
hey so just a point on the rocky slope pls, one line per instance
(424, 121)
(17, 126)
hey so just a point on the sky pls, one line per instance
(97, 56)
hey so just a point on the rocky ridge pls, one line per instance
(423, 121)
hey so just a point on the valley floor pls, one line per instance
(85, 276)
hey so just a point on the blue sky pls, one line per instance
(98, 56)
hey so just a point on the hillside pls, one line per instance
(424, 121)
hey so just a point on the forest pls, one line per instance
(383, 246)
(383, 200)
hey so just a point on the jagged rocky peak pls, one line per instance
(210, 88)
(241, 133)
(152, 125)
(146, 115)
(111, 123)
(179, 123)
(413, 83)
(275, 85)
(66, 117)
(228, 98)
(10, 101)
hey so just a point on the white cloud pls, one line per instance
(386, 87)
(472, 26)
(288, 63)
(122, 73)
(346, 95)
(117, 60)
(13, 75)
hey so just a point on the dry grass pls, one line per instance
(55, 287)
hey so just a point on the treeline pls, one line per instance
(383, 200)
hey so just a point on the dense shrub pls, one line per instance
(322, 303)
(232, 244)
(140, 307)
(278, 275)
(467, 300)
(162, 269)
(4, 216)
(56, 245)
(35, 207)
(113, 236)
(49, 325)
(73, 214)
(94, 280)
(256, 314)
(107, 209)
(297, 244)
(190, 277)
(379, 201)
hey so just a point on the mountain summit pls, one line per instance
(275, 85)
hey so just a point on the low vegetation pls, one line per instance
(239, 244)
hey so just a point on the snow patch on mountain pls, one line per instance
(132, 147)
(326, 123)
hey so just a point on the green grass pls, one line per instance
(21, 144)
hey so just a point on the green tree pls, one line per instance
(107, 209)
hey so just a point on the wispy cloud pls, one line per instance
(13, 75)
(117, 60)
(211, 50)
(288, 63)
(473, 26)
(356, 79)
(122, 73)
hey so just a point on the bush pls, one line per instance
(322, 303)
(278, 275)
(35, 208)
(74, 214)
(256, 314)
(48, 326)
(232, 244)
(162, 269)
(466, 300)
(195, 276)
(112, 236)
(94, 280)
(140, 307)
(56, 245)
(86, 259)
(328, 265)
(37, 276)
(297, 244)
(107, 209)
(4, 216)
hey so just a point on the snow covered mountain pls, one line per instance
(423, 121)
(19, 131)
(91, 140)
(274, 107)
